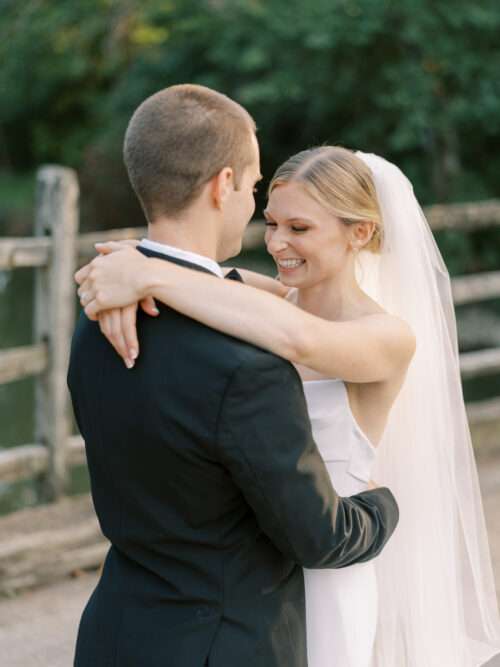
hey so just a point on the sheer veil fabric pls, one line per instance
(438, 605)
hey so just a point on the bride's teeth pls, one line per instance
(290, 263)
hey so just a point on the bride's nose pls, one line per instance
(276, 242)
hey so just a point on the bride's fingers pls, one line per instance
(81, 275)
(103, 249)
(115, 335)
(84, 286)
(106, 326)
(148, 305)
(92, 313)
(92, 310)
(86, 293)
(129, 330)
(109, 247)
(112, 246)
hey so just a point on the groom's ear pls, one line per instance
(222, 186)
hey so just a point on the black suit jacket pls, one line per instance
(210, 488)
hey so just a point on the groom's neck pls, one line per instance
(192, 234)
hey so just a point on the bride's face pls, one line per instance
(308, 243)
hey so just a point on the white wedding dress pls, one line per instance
(341, 605)
(437, 602)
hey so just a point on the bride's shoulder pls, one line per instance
(392, 332)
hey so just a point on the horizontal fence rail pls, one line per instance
(22, 252)
(484, 412)
(482, 362)
(464, 217)
(16, 253)
(20, 362)
(57, 250)
(25, 252)
(36, 252)
(477, 287)
(27, 461)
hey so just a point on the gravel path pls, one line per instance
(38, 628)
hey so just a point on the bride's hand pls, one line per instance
(114, 279)
(105, 247)
(117, 324)
(119, 327)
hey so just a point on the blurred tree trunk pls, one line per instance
(446, 163)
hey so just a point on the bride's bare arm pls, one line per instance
(369, 349)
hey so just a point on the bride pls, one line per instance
(363, 308)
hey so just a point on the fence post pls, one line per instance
(56, 216)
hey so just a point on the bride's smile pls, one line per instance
(309, 244)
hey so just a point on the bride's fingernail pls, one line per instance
(133, 353)
(129, 363)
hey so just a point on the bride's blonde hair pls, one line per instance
(338, 180)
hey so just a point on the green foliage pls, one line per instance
(414, 80)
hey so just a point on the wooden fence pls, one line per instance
(56, 250)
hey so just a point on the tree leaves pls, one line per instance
(416, 81)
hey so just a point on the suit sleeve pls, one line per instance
(264, 439)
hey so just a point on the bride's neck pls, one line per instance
(333, 299)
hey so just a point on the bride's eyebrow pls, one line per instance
(303, 220)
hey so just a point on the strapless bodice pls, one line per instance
(347, 451)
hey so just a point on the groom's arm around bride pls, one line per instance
(265, 440)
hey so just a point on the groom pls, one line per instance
(204, 473)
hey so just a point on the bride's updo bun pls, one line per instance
(338, 180)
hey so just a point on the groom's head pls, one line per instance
(188, 145)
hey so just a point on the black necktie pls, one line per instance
(234, 275)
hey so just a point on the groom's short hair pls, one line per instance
(178, 139)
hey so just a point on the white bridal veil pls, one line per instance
(437, 597)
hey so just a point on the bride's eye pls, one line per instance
(299, 229)
(270, 224)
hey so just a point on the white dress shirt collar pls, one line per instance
(186, 255)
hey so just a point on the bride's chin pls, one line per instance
(291, 277)
(289, 281)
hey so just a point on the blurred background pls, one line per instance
(414, 80)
